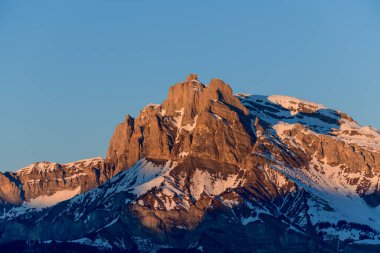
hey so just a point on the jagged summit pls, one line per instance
(192, 77)
(181, 125)
(195, 97)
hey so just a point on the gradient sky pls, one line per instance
(71, 70)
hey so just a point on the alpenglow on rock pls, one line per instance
(210, 171)
(190, 115)
(43, 184)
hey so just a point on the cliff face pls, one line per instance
(10, 191)
(208, 122)
(44, 184)
(211, 171)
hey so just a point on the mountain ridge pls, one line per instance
(39, 182)
(212, 171)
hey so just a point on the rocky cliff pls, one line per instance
(188, 122)
(43, 184)
(210, 171)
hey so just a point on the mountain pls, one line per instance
(43, 184)
(210, 171)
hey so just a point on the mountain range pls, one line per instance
(207, 171)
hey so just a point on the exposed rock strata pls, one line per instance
(44, 179)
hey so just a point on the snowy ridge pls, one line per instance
(39, 167)
(294, 104)
(286, 112)
(290, 103)
(42, 167)
(85, 162)
(314, 116)
(352, 133)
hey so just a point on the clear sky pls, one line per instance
(71, 70)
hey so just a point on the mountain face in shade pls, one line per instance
(210, 171)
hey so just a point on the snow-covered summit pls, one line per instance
(279, 111)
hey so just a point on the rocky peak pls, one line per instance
(187, 123)
(192, 77)
(129, 119)
(184, 96)
(219, 91)
(193, 97)
(219, 84)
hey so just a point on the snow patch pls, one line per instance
(246, 221)
(178, 119)
(212, 185)
(190, 127)
(183, 154)
(98, 242)
(47, 201)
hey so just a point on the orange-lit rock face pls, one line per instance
(204, 121)
(45, 179)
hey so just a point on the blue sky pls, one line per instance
(71, 70)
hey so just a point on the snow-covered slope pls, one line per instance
(337, 181)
